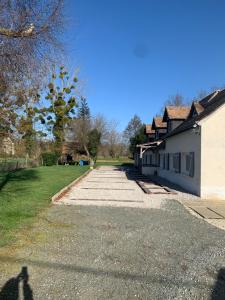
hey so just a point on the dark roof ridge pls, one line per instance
(206, 100)
(216, 101)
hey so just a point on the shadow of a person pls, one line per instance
(11, 289)
(218, 292)
(27, 291)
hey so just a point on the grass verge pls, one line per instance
(115, 162)
(24, 193)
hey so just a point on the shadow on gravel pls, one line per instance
(218, 292)
(16, 286)
(122, 275)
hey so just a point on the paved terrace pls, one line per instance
(124, 187)
(109, 186)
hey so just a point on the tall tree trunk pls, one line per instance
(87, 152)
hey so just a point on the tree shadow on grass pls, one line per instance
(15, 176)
(16, 287)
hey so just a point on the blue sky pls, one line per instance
(132, 55)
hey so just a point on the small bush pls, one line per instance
(50, 158)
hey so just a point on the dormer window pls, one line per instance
(175, 115)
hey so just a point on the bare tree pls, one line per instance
(201, 94)
(175, 100)
(29, 40)
(100, 123)
(80, 127)
(114, 138)
(132, 128)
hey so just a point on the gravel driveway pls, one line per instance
(104, 252)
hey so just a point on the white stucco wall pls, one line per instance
(184, 143)
(148, 157)
(213, 155)
(148, 170)
(209, 149)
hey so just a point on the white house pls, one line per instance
(192, 152)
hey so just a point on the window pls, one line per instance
(164, 161)
(161, 160)
(167, 161)
(149, 159)
(145, 159)
(177, 162)
(169, 126)
(157, 160)
(190, 164)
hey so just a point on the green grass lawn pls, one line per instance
(120, 161)
(120, 158)
(113, 163)
(24, 193)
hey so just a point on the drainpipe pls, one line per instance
(197, 128)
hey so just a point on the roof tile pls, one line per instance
(158, 123)
(177, 112)
(149, 129)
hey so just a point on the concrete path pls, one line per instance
(109, 186)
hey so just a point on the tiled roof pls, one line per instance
(158, 123)
(209, 104)
(176, 112)
(149, 129)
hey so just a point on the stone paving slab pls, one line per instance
(218, 209)
(106, 184)
(216, 206)
(109, 190)
(106, 194)
(206, 213)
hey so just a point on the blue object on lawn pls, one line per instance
(83, 162)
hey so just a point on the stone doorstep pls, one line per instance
(142, 186)
(155, 189)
